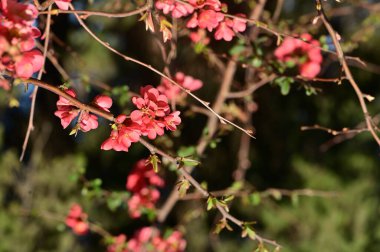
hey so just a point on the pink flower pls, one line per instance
(141, 176)
(209, 19)
(174, 92)
(118, 245)
(224, 32)
(310, 69)
(145, 199)
(150, 237)
(238, 25)
(307, 55)
(182, 10)
(199, 37)
(88, 122)
(177, 9)
(104, 102)
(29, 63)
(123, 134)
(63, 4)
(77, 220)
(142, 181)
(165, 5)
(172, 120)
(17, 36)
(66, 112)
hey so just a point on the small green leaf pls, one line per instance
(256, 62)
(229, 198)
(255, 198)
(211, 203)
(154, 161)
(248, 231)
(183, 186)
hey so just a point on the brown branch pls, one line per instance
(204, 192)
(252, 88)
(73, 101)
(266, 193)
(347, 70)
(334, 132)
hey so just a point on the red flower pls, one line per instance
(17, 35)
(307, 56)
(104, 102)
(123, 134)
(66, 112)
(77, 220)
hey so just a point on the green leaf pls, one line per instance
(248, 231)
(211, 203)
(236, 50)
(256, 62)
(185, 151)
(255, 198)
(154, 161)
(114, 202)
(183, 186)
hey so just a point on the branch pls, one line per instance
(347, 70)
(73, 101)
(127, 58)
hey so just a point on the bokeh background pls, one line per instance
(35, 194)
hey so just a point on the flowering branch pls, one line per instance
(74, 101)
(127, 58)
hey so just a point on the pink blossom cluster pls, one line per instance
(207, 14)
(142, 182)
(77, 220)
(17, 54)
(150, 119)
(67, 112)
(149, 239)
(173, 92)
(306, 55)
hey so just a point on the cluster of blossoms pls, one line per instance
(173, 92)
(148, 239)
(142, 182)
(67, 112)
(17, 54)
(206, 14)
(150, 119)
(307, 56)
(77, 220)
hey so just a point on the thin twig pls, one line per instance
(347, 70)
(34, 94)
(204, 103)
